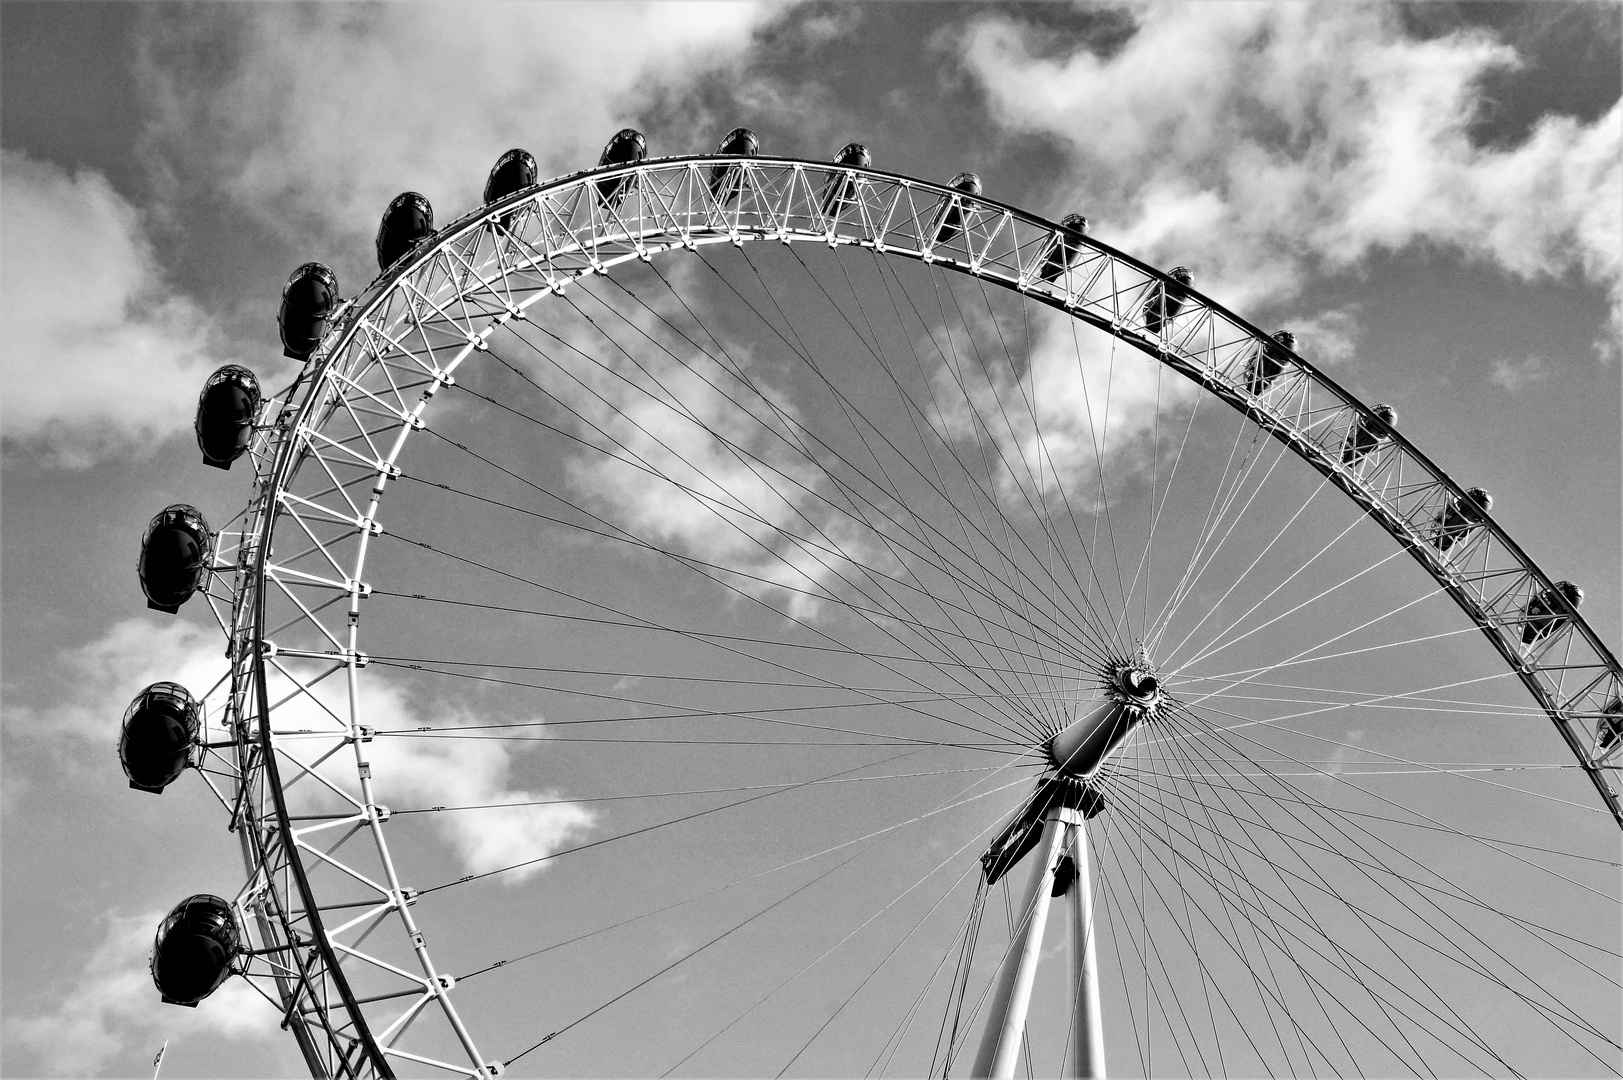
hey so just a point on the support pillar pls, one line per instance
(1006, 1021)
(1087, 1034)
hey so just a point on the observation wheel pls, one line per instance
(700, 614)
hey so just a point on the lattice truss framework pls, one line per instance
(337, 947)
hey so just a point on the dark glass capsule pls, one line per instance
(513, 171)
(1459, 517)
(950, 221)
(155, 741)
(175, 554)
(1065, 251)
(407, 221)
(1549, 611)
(727, 180)
(1165, 303)
(225, 415)
(1367, 433)
(308, 300)
(1270, 362)
(1610, 728)
(626, 147)
(841, 191)
(194, 949)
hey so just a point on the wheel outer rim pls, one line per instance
(664, 228)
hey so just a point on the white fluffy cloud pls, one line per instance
(110, 1008)
(99, 355)
(109, 671)
(1266, 143)
(330, 111)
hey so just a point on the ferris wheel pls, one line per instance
(829, 571)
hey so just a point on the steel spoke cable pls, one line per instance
(397, 812)
(797, 786)
(690, 954)
(1202, 730)
(1302, 910)
(1207, 552)
(771, 552)
(846, 558)
(870, 699)
(1090, 616)
(1143, 817)
(712, 639)
(748, 460)
(1162, 752)
(1244, 574)
(1421, 891)
(911, 408)
(983, 530)
(968, 868)
(978, 424)
(1398, 759)
(1030, 681)
(1233, 901)
(1224, 493)
(1266, 995)
(919, 583)
(957, 801)
(1480, 970)
(1438, 591)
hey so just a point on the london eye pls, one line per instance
(934, 641)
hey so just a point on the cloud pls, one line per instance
(1082, 397)
(1267, 144)
(110, 1007)
(1515, 374)
(100, 356)
(327, 112)
(110, 671)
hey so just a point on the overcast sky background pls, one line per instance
(1429, 194)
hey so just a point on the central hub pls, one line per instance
(1131, 693)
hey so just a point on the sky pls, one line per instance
(1431, 196)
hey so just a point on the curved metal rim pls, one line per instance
(716, 228)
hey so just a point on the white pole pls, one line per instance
(1088, 1034)
(1006, 1022)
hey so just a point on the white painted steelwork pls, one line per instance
(290, 579)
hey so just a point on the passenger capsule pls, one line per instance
(1549, 611)
(626, 147)
(308, 300)
(727, 180)
(1610, 728)
(513, 171)
(1165, 303)
(1270, 362)
(195, 947)
(226, 410)
(1366, 434)
(1458, 517)
(950, 220)
(840, 191)
(175, 555)
(407, 221)
(1064, 251)
(159, 730)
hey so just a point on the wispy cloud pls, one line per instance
(100, 355)
(110, 670)
(325, 113)
(1513, 375)
(109, 1011)
(1267, 144)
